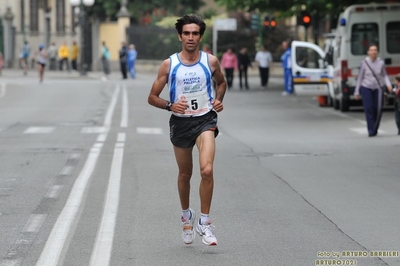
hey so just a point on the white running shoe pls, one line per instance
(205, 230)
(187, 228)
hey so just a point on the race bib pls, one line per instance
(197, 101)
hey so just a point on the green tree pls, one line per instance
(287, 8)
(108, 9)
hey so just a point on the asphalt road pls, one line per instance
(88, 177)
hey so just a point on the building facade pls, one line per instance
(36, 22)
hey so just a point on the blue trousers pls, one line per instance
(372, 102)
(131, 69)
(288, 80)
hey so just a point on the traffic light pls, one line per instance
(304, 19)
(269, 23)
(254, 22)
(272, 23)
(266, 22)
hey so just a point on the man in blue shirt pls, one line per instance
(287, 67)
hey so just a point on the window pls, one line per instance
(60, 15)
(34, 16)
(307, 57)
(393, 37)
(362, 35)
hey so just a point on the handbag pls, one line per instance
(384, 88)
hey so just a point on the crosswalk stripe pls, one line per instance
(39, 130)
(149, 130)
(364, 131)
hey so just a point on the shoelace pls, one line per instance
(187, 224)
(207, 229)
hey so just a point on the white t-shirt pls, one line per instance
(264, 58)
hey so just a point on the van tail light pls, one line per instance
(345, 71)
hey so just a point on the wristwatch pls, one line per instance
(168, 106)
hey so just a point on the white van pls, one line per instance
(358, 26)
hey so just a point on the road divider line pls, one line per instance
(124, 115)
(101, 254)
(111, 107)
(53, 250)
(53, 192)
(34, 223)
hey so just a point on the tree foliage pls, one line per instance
(156, 9)
(288, 8)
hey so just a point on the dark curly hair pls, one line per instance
(190, 19)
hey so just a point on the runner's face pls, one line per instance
(190, 37)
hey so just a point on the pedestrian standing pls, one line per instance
(63, 55)
(132, 55)
(24, 57)
(41, 59)
(287, 67)
(123, 55)
(244, 63)
(188, 75)
(52, 56)
(105, 59)
(264, 62)
(229, 63)
(369, 85)
(74, 56)
(397, 104)
(1, 62)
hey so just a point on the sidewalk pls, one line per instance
(143, 66)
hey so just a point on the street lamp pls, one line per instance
(80, 4)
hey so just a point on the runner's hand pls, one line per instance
(218, 106)
(180, 106)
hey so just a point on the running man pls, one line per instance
(189, 75)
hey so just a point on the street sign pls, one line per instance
(225, 24)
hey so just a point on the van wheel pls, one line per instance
(344, 105)
(330, 101)
(336, 104)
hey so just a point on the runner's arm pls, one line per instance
(158, 85)
(220, 84)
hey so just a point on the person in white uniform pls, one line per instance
(189, 77)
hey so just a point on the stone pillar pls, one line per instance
(123, 20)
(8, 38)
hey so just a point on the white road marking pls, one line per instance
(102, 250)
(101, 137)
(111, 107)
(3, 89)
(39, 130)
(34, 223)
(53, 192)
(121, 137)
(364, 130)
(75, 156)
(66, 170)
(124, 115)
(52, 252)
(94, 130)
(149, 130)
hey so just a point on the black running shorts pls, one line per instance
(185, 130)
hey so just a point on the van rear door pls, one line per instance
(390, 53)
(310, 76)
